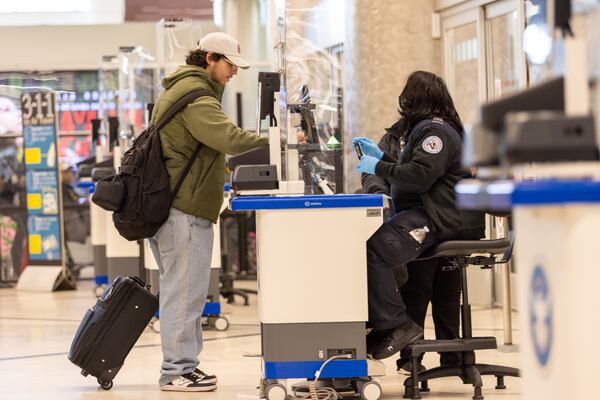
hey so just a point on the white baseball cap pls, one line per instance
(222, 43)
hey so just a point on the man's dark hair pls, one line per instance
(198, 57)
(426, 96)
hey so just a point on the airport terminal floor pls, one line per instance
(37, 329)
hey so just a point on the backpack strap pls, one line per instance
(179, 105)
(168, 116)
(185, 171)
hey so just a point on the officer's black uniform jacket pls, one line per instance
(423, 173)
(391, 144)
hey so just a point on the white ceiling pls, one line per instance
(61, 12)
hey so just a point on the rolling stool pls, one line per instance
(460, 254)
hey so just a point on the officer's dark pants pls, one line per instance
(388, 251)
(428, 282)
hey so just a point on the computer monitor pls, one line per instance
(268, 85)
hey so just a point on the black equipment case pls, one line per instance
(111, 327)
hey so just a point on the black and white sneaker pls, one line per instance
(204, 377)
(191, 382)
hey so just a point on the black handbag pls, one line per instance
(109, 193)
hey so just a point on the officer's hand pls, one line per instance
(367, 165)
(368, 147)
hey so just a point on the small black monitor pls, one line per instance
(561, 16)
(269, 84)
(149, 109)
(113, 131)
(95, 129)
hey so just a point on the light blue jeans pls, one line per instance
(182, 248)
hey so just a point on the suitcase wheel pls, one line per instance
(106, 385)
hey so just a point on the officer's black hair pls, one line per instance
(425, 96)
(198, 57)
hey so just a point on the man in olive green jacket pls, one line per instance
(183, 245)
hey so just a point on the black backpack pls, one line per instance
(139, 195)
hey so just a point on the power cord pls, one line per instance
(325, 393)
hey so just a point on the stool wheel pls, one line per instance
(500, 382)
(477, 395)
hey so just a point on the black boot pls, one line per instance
(400, 337)
(374, 338)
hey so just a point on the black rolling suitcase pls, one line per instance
(111, 327)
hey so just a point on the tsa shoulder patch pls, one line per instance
(432, 144)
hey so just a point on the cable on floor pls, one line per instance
(325, 393)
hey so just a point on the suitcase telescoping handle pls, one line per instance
(136, 279)
(139, 281)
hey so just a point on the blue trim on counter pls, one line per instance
(484, 196)
(212, 309)
(307, 369)
(303, 202)
(209, 309)
(88, 187)
(556, 192)
(85, 185)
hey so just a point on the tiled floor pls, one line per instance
(36, 331)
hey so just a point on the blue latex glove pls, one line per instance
(367, 165)
(368, 147)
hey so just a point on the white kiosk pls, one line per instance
(311, 249)
(312, 279)
(557, 225)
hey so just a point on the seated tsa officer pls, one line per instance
(421, 178)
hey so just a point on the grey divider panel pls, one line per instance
(213, 286)
(123, 266)
(304, 342)
(153, 280)
(100, 267)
